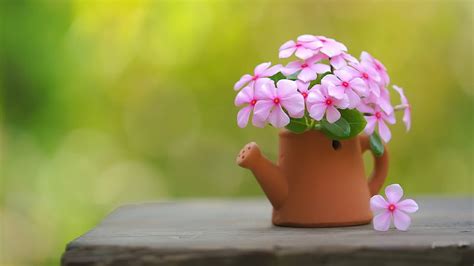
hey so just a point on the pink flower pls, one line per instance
(304, 47)
(309, 70)
(383, 101)
(369, 75)
(393, 208)
(261, 71)
(378, 117)
(247, 97)
(340, 61)
(303, 88)
(379, 67)
(320, 102)
(274, 99)
(331, 47)
(407, 113)
(346, 82)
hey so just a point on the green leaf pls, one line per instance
(294, 76)
(355, 119)
(277, 77)
(318, 79)
(376, 145)
(297, 125)
(337, 130)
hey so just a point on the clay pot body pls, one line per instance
(316, 183)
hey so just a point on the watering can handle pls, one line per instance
(378, 175)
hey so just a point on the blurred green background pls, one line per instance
(119, 101)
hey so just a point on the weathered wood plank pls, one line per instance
(239, 232)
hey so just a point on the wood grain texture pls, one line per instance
(239, 232)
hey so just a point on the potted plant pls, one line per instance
(331, 107)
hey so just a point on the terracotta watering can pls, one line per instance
(317, 182)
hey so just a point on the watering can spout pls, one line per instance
(268, 175)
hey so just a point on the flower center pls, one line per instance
(304, 65)
(255, 77)
(253, 102)
(304, 94)
(378, 115)
(345, 84)
(328, 102)
(298, 45)
(276, 100)
(365, 75)
(391, 207)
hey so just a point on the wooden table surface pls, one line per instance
(239, 232)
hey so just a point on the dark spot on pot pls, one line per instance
(336, 145)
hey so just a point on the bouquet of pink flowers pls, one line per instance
(325, 89)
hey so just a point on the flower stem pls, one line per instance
(316, 126)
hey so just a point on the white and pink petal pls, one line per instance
(330, 79)
(278, 118)
(381, 221)
(302, 86)
(374, 88)
(307, 74)
(336, 91)
(272, 71)
(320, 68)
(354, 99)
(291, 68)
(378, 203)
(304, 53)
(244, 96)
(242, 81)
(407, 118)
(359, 86)
(262, 109)
(342, 103)
(401, 220)
(338, 61)
(265, 89)
(307, 38)
(370, 127)
(294, 104)
(407, 205)
(287, 49)
(316, 111)
(384, 131)
(286, 87)
(316, 94)
(332, 114)
(243, 116)
(258, 122)
(385, 105)
(261, 68)
(394, 193)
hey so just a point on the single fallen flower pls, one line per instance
(392, 208)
